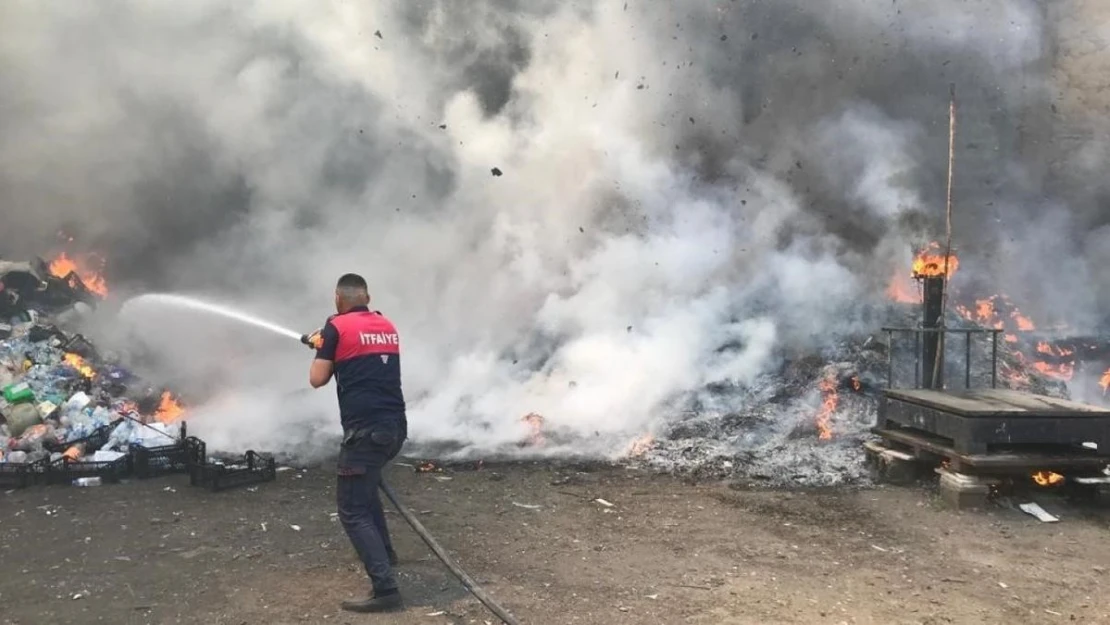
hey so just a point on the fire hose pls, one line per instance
(479, 593)
(314, 340)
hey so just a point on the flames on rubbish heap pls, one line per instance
(78, 364)
(62, 266)
(829, 387)
(535, 423)
(998, 312)
(640, 446)
(830, 399)
(169, 409)
(536, 438)
(1047, 478)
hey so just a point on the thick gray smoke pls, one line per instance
(689, 190)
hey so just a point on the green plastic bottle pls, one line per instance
(19, 393)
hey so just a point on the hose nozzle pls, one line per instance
(314, 340)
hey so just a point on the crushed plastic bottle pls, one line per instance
(77, 403)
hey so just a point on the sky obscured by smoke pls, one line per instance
(690, 190)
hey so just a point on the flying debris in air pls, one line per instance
(378, 34)
(495, 171)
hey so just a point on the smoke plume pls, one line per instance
(593, 211)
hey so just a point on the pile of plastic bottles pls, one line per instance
(50, 398)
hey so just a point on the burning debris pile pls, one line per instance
(58, 389)
(70, 410)
(804, 424)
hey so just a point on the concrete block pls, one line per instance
(890, 465)
(962, 491)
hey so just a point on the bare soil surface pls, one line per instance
(666, 552)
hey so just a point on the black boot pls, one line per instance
(380, 602)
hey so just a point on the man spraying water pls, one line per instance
(362, 350)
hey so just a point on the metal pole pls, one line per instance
(994, 359)
(918, 338)
(967, 360)
(889, 359)
(938, 358)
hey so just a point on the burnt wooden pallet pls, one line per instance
(977, 420)
(1016, 460)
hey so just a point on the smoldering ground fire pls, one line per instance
(692, 194)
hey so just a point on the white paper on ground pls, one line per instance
(1037, 511)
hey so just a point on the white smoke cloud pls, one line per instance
(688, 189)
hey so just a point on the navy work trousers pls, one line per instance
(362, 458)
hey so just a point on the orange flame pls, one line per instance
(829, 401)
(169, 411)
(988, 313)
(1047, 478)
(63, 266)
(1000, 313)
(1063, 371)
(1105, 382)
(641, 446)
(78, 363)
(930, 262)
(535, 422)
(902, 289)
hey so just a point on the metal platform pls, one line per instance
(977, 421)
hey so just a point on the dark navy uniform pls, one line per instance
(366, 354)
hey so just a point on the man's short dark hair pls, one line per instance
(352, 281)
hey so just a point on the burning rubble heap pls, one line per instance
(68, 410)
(58, 391)
(804, 424)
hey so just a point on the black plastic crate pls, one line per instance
(196, 452)
(253, 468)
(180, 457)
(92, 442)
(22, 475)
(62, 471)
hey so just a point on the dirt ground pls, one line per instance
(666, 552)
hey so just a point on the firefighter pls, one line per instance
(361, 349)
